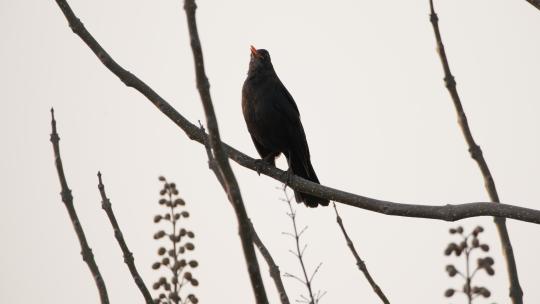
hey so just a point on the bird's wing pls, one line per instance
(295, 130)
(289, 98)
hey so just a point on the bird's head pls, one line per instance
(260, 61)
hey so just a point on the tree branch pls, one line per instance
(273, 268)
(67, 198)
(535, 3)
(359, 262)
(128, 256)
(447, 212)
(227, 175)
(516, 294)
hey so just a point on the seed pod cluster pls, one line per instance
(467, 245)
(176, 247)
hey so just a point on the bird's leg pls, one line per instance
(289, 170)
(287, 175)
(267, 160)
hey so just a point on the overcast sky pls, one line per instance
(379, 121)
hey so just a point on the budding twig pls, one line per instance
(128, 256)
(273, 268)
(67, 198)
(359, 262)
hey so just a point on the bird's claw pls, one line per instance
(259, 164)
(287, 176)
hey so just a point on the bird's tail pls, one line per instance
(301, 166)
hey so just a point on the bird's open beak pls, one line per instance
(254, 51)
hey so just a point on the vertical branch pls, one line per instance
(274, 269)
(227, 175)
(359, 262)
(128, 256)
(67, 198)
(516, 293)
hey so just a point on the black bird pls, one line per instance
(273, 121)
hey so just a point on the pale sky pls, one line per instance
(379, 122)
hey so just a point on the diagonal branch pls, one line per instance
(274, 269)
(359, 262)
(67, 198)
(224, 168)
(444, 212)
(535, 3)
(128, 256)
(516, 294)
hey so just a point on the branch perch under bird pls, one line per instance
(447, 212)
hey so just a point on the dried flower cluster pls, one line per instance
(469, 243)
(173, 259)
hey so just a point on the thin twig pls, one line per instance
(447, 212)
(273, 268)
(128, 255)
(516, 293)
(300, 254)
(359, 262)
(67, 198)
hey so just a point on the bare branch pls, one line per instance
(227, 175)
(359, 262)
(273, 268)
(535, 3)
(67, 198)
(444, 212)
(516, 293)
(128, 256)
(212, 165)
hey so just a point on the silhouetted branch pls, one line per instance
(444, 212)
(516, 294)
(128, 256)
(67, 198)
(359, 262)
(535, 3)
(273, 268)
(227, 175)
